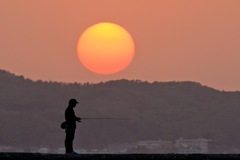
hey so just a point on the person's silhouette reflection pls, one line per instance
(71, 126)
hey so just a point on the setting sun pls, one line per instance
(105, 48)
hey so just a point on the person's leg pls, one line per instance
(69, 140)
(68, 143)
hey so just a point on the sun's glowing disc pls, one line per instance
(105, 48)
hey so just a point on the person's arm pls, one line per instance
(77, 118)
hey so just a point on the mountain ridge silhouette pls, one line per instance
(31, 112)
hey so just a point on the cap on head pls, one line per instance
(73, 101)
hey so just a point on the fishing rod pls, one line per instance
(64, 124)
(106, 119)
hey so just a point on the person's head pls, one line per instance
(72, 103)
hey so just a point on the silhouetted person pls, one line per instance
(71, 126)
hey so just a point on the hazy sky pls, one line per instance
(176, 40)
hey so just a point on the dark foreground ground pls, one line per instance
(37, 156)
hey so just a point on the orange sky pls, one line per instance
(176, 40)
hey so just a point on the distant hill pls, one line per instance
(31, 112)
